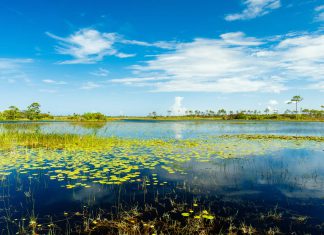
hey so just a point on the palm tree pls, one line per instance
(296, 99)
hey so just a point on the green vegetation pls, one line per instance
(296, 99)
(82, 164)
(87, 117)
(222, 114)
(278, 137)
(33, 112)
(307, 115)
(115, 160)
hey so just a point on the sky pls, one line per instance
(133, 57)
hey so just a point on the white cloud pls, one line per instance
(124, 55)
(273, 102)
(319, 8)
(159, 44)
(90, 86)
(233, 63)
(49, 81)
(239, 39)
(177, 109)
(254, 8)
(12, 70)
(51, 91)
(88, 46)
(8, 63)
(303, 56)
(272, 105)
(101, 72)
(319, 13)
(317, 86)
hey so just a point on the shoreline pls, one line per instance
(166, 119)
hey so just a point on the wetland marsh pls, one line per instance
(171, 177)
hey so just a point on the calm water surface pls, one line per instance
(287, 182)
(176, 129)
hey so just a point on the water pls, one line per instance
(281, 187)
(177, 129)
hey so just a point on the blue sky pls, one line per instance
(133, 57)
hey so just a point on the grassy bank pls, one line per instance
(291, 118)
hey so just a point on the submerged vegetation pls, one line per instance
(276, 137)
(139, 175)
(110, 160)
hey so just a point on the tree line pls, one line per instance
(253, 114)
(33, 112)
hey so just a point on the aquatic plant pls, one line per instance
(81, 160)
(85, 162)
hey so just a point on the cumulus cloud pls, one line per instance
(177, 108)
(254, 8)
(233, 63)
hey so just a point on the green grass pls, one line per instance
(235, 117)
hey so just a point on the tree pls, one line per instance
(287, 111)
(93, 116)
(267, 110)
(221, 112)
(12, 113)
(33, 111)
(296, 99)
(154, 114)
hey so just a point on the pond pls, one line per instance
(170, 177)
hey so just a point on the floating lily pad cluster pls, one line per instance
(80, 161)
